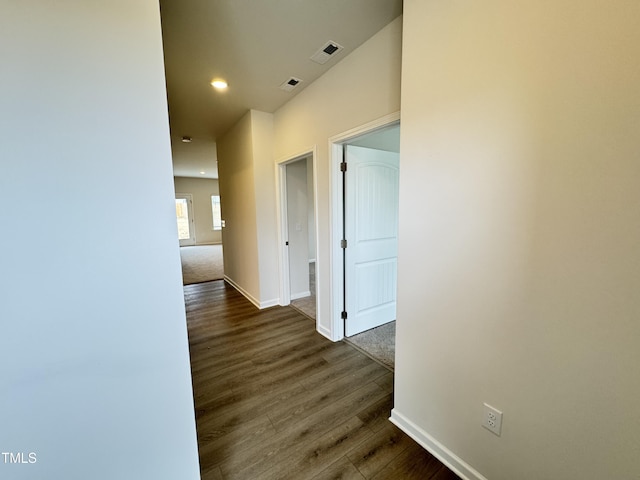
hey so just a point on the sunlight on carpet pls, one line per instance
(201, 263)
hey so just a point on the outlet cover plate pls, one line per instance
(492, 419)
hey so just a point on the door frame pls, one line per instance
(191, 218)
(283, 230)
(336, 266)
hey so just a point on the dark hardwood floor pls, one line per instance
(274, 399)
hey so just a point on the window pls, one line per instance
(215, 209)
(182, 215)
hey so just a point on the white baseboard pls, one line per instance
(269, 303)
(251, 298)
(442, 453)
(246, 294)
(325, 332)
(296, 296)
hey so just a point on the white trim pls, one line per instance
(324, 332)
(246, 294)
(284, 288)
(319, 268)
(335, 221)
(268, 303)
(296, 296)
(283, 253)
(369, 127)
(251, 298)
(433, 446)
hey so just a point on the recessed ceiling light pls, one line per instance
(219, 84)
(202, 173)
(186, 139)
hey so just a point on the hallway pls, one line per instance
(274, 399)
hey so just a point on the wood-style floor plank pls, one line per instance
(343, 469)
(276, 400)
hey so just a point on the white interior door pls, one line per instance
(184, 217)
(371, 231)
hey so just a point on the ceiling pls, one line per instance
(255, 45)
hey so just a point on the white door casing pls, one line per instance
(283, 230)
(371, 214)
(184, 217)
(297, 212)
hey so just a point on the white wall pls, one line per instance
(519, 278)
(201, 189)
(363, 87)
(298, 228)
(93, 351)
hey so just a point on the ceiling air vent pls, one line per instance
(325, 52)
(290, 84)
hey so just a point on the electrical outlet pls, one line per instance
(492, 419)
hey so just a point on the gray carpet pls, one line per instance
(307, 305)
(379, 343)
(201, 263)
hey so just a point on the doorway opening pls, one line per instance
(298, 233)
(370, 206)
(198, 215)
(184, 217)
(364, 220)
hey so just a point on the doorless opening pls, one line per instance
(298, 233)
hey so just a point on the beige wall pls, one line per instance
(518, 282)
(201, 190)
(248, 153)
(265, 188)
(248, 201)
(94, 361)
(363, 87)
(237, 188)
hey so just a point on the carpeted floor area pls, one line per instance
(201, 263)
(307, 305)
(379, 343)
